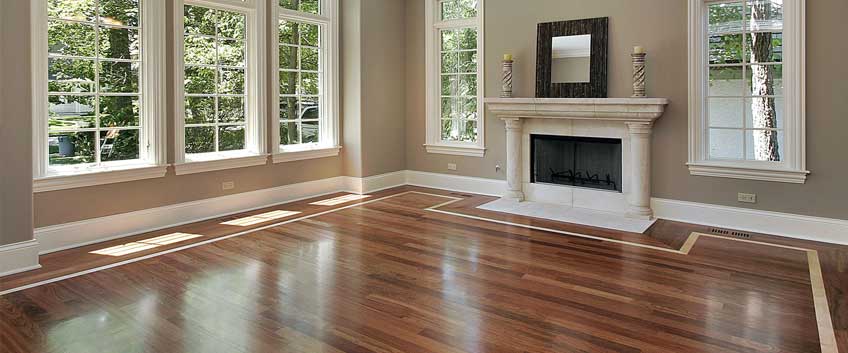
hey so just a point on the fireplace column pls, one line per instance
(513, 159)
(639, 202)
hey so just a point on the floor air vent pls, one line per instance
(731, 233)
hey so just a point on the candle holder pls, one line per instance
(639, 75)
(506, 87)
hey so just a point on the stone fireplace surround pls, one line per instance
(628, 119)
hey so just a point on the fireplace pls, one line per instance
(587, 162)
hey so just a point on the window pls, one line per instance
(455, 77)
(747, 116)
(220, 110)
(97, 91)
(307, 91)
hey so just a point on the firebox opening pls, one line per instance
(588, 162)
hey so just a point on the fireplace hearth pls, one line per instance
(587, 162)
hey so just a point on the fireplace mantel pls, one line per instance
(638, 114)
(613, 109)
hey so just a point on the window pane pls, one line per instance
(467, 85)
(448, 109)
(469, 134)
(310, 131)
(71, 148)
(765, 47)
(118, 145)
(200, 110)
(725, 18)
(309, 6)
(70, 112)
(200, 139)
(119, 12)
(288, 108)
(309, 83)
(288, 57)
(764, 15)
(199, 50)
(726, 144)
(459, 130)
(199, 80)
(79, 10)
(764, 113)
(765, 80)
(726, 81)
(289, 32)
(308, 34)
(764, 145)
(289, 133)
(120, 111)
(309, 108)
(469, 108)
(231, 110)
(449, 40)
(231, 53)
(231, 138)
(309, 59)
(450, 62)
(71, 75)
(726, 49)
(288, 82)
(68, 38)
(450, 84)
(458, 9)
(468, 61)
(231, 24)
(118, 77)
(119, 43)
(199, 20)
(231, 81)
(725, 112)
(468, 38)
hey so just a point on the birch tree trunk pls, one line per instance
(764, 114)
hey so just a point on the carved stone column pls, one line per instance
(639, 202)
(513, 159)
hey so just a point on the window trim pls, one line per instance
(793, 168)
(153, 160)
(255, 152)
(328, 141)
(433, 25)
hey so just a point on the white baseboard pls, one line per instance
(482, 186)
(19, 257)
(789, 225)
(70, 235)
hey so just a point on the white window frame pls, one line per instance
(328, 139)
(792, 168)
(152, 161)
(434, 24)
(255, 152)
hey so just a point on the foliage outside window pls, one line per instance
(454, 72)
(93, 90)
(214, 80)
(747, 89)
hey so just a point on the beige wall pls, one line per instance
(77, 204)
(660, 26)
(15, 125)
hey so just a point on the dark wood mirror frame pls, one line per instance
(597, 85)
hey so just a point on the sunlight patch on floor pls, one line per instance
(340, 200)
(260, 218)
(141, 245)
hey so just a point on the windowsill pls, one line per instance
(208, 162)
(72, 178)
(457, 150)
(781, 175)
(304, 152)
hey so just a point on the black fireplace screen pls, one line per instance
(577, 161)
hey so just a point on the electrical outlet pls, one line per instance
(451, 166)
(228, 185)
(747, 198)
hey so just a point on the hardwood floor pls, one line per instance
(402, 271)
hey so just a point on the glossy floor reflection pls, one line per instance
(389, 276)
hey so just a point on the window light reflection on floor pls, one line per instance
(340, 200)
(260, 218)
(146, 244)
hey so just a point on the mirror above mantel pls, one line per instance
(571, 59)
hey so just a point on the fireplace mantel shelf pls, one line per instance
(644, 110)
